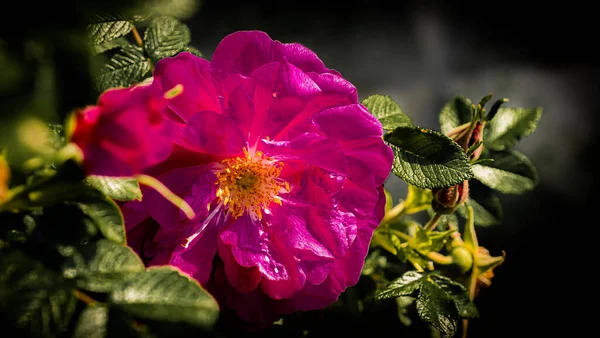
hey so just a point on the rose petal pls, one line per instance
(212, 133)
(193, 73)
(254, 244)
(309, 148)
(196, 185)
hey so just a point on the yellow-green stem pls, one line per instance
(167, 194)
(432, 222)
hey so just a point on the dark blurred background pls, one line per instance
(423, 53)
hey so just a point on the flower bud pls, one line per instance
(446, 200)
(467, 137)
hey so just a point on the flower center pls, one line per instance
(250, 183)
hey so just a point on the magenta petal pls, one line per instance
(358, 199)
(285, 79)
(134, 213)
(347, 123)
(254, 244)
(373, 155)
(243, 279)
(195, 184)
(309, 148)
(289, 224)
(241, 109)
(212, 133)
(197, 258)
(335, 84)
(193, 73)
(242, 53)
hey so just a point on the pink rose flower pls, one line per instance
(284, 169)
(125, 133)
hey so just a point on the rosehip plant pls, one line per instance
(242, 194)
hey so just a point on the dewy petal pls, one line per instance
(309, 148)
(254, 244)
(245, 51)
(193, 73)
(345, 273)
(195, 184)
(290, 226)
(212, 133)
(197, 258)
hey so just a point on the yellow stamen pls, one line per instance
(250, 183)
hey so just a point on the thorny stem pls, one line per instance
(432, 222)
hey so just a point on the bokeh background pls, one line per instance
(421, 53)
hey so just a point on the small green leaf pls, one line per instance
(486, 205)
(92, 322)
(437, 308)
(406, 285)
(494, 110)
(107, 217)
(117, 188)
(109, 45)
(509, 126)
(163, 293)
(427, 159)
(105, 28)
(387, 111)
(455, 113)
(417, 199)
(126, 67)
(460, 295)
(511, 172)
(33, 297)
(165, 36)
(103, 266)
(469, 234)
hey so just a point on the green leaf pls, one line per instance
(107, 217)
(427, 241)
(417, 199)
(103, 266)
(387, 111)
(117, 188)
(163, 293)
(405, 285)
(192, 50)
(486, 205)
(109, 45)
(92, 322)
(33, 297)
(165, 36)
(511, 172)
(455, 113)
(437, 308)
(126, 67)
(509, 126)
(106, 28)
(458, 293)
(427, 159)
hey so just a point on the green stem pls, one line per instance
(393, 214)
(432, 222)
